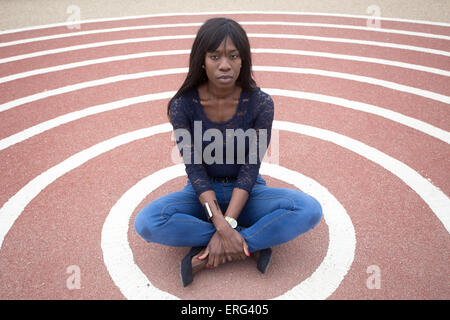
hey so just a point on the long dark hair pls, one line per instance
(209, 37)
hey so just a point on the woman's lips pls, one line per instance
(225, 79)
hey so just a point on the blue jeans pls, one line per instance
(270, 217)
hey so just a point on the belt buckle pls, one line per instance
(227, 179)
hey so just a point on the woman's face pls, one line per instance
(223, 65)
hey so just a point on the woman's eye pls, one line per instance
(213, 56)
(234, 56)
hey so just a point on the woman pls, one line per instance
(226, 211)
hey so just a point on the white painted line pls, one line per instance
(250, 35)
(84, 63)
(82, 85)
(88, 84)
(355, 105)
(352, 41)
(364, 107)
(47, 125)
(93, 45)
(172, 14)
(76, 115)
(12, 209)
(438, 202)
(435, 198)
(388, 84)
(117, 255)
(341, 243)
(349, 27)
(347, 76)
(92, 62)
(98, 31)
(243, 23)
(135, 285)
(392, 63)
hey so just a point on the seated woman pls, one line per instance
(226, 211)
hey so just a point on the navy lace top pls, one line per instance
(255, 110)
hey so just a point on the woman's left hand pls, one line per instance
(214, 251)
(234, 244)
(229, 245)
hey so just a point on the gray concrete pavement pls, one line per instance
(24, 13)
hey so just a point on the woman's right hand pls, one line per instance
(214, 251)
(234, 245)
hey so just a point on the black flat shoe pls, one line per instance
(265, 256)
(186, 266)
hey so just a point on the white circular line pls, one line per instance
(134, 284)
(88, 84)
(244, 23)
(68, 117)
(12, 209)
(124, 77)
(368, 108)
(99, 31)
(435, 198)
(364, 107)
(93, 45)
(393, 63)
(352, 41)
(347, 76)
(140, 55)
(84, 63)
(438, 202)
(172, 14)
(351, 27)
(250, 35)
(388, 84)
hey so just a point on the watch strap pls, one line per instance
(232, 222)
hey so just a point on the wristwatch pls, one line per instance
(232, 222)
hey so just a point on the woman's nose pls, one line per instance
(224, 64)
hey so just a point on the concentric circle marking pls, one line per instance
(433, 196)
(132, 56)
(202, 13)
(250, 35)
(243, 23)
(356, 105)
(321, 284)
(437, 200)
(339, 75)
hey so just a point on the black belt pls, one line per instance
(223, 179)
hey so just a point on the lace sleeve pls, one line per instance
(185, 141)
(264, 114)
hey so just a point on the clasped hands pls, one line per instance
(226, 244)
